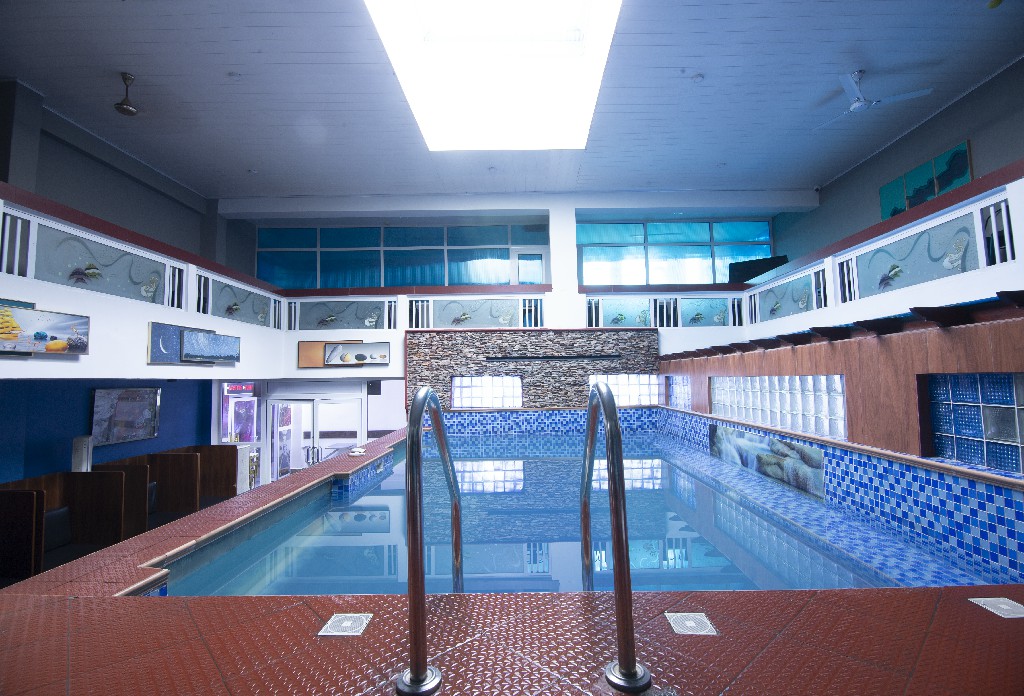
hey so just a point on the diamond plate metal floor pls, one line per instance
(891, 641)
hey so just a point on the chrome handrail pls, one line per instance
(422, 678)
(624, 674)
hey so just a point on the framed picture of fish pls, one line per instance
(26, 331)
(355, 354)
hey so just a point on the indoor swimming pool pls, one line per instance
(694, 522)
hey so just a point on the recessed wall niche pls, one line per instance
(978, 418)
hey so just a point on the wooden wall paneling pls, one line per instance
(945, 353)
(1007, 345)
(897, 396)
(883, 394)
(998, 347)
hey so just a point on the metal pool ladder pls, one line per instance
(422, 678)
(625, 673)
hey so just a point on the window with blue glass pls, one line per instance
(978, 418)
(396, 256)
(667, 253)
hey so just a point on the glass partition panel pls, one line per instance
(423, 267)
(679, 264)
(678, 232)
(730, 253)
(478, 267)
(613, 265)
(742, 231)
(490, 235)
(349, 237)
(618, 233)
(286, 238)
(413, 236)
(287, 269)
(349, 269)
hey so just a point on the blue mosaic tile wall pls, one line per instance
(541, 421)
(980, 524)
(345, 489)
(979, 419)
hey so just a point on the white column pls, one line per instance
(564, 306)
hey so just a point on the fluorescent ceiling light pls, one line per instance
(498, 75)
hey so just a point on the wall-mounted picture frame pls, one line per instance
(125, 415)
(33, 331)
(209, 347)
(164, 343)
(356, 354)
(170, 344)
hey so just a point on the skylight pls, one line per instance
(499, 75)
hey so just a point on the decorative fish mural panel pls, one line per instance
(627, 312)
(342, 314)
(466, 314)
(941, 251)
(703, 311)
(68, 259)
(790, 298)
(233, 302)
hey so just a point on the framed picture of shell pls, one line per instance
(355, 354)
(343, 353)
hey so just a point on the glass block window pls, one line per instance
(679, 392)
(384, 256)
(489, 476)
(633, 390)
(978, 418)
(487, 391)
(667, 253)
(812, 404)
(637, 474)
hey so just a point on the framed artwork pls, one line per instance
(26, 330)
(125, 415)
(170, 344)
(164, 343)
(206, 346)
(355, 354)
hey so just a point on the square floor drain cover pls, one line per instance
(691, 624)
(346, 625)
(1006, 608)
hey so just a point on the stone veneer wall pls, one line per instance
(434, 357)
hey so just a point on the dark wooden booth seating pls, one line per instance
(218, 472)
(165, 486)
(159, 488)
(55, 518)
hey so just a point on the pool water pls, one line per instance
(694, 523)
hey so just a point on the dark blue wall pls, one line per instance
(40, 417)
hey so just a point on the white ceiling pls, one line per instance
(303, 93)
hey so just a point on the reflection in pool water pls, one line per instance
(694, 523)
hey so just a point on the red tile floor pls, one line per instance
(65, 632)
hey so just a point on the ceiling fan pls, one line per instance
(858, 103)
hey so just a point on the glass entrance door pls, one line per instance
(304, 432)
(339, 425)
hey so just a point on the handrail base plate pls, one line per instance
(405, 686)
(641, 681)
